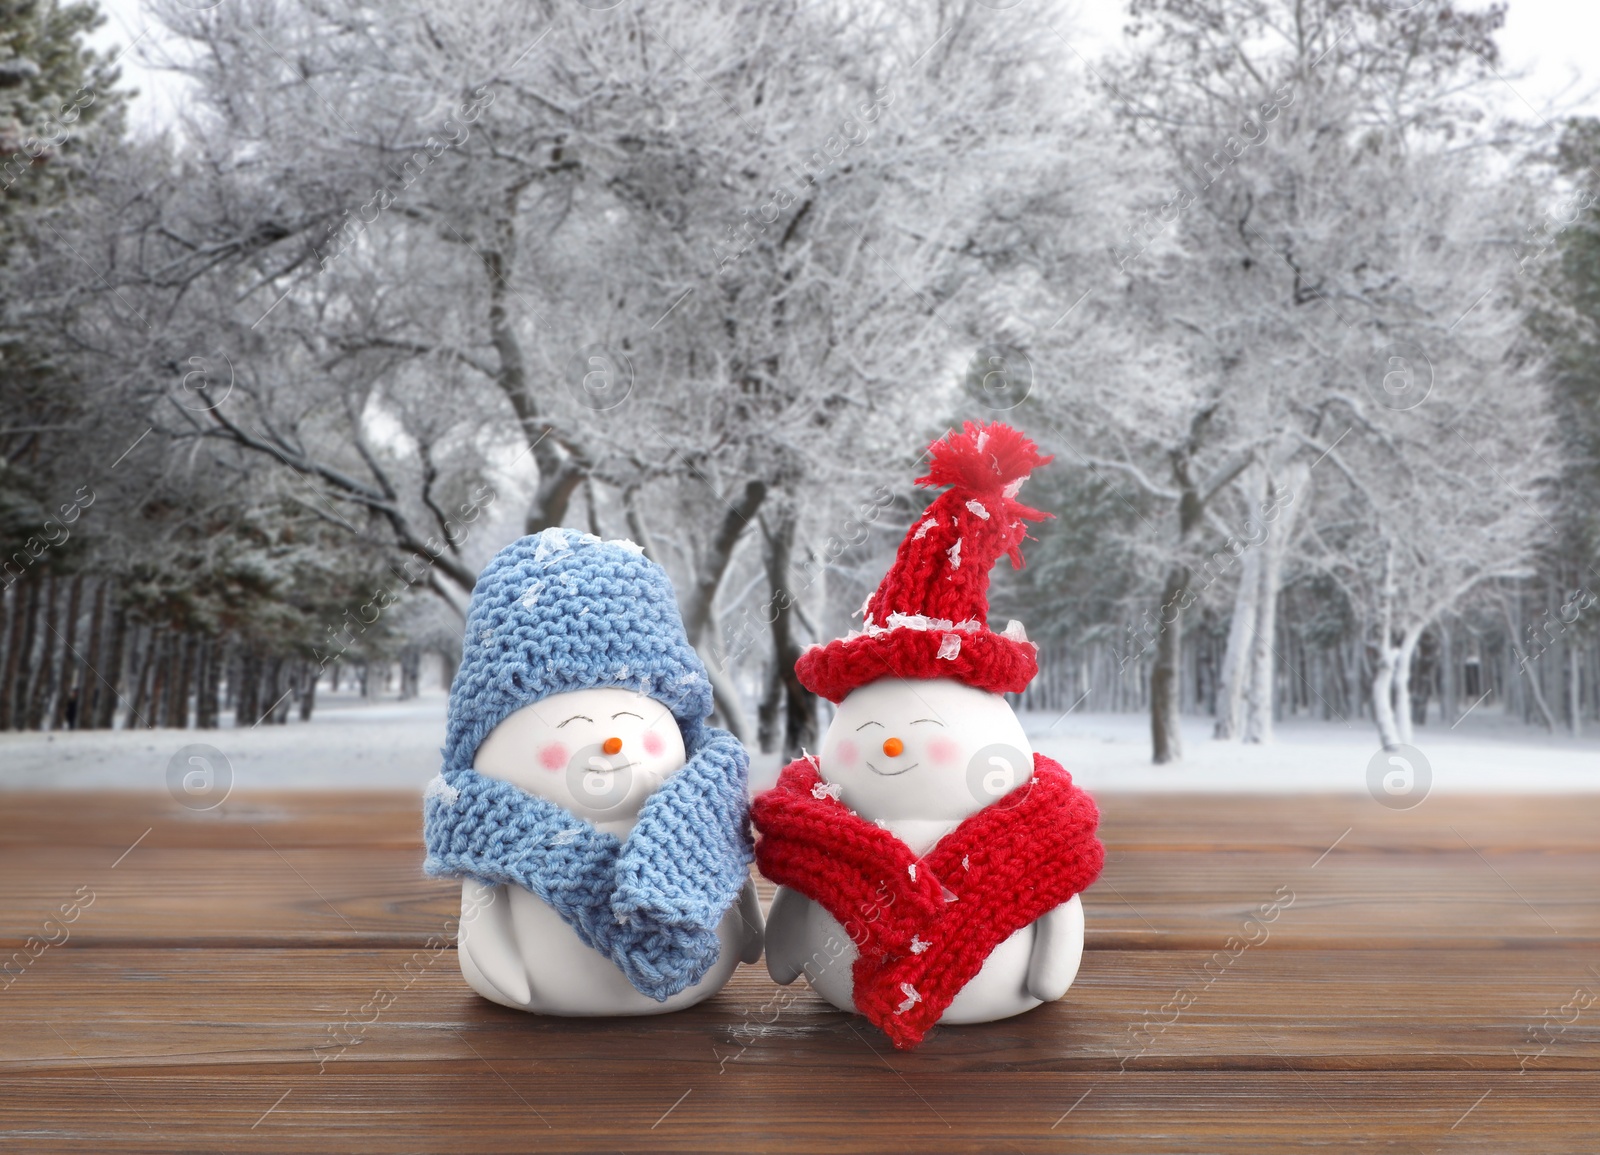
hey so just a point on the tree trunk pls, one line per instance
(591, 508)
(449, 662)
(710, 569)
(1574, 688)
(308, 696)
(1400, 707)
(47, 673)
(26, 671)
(636, 523)
(560, 471)
(186, 681)
(156, 702)
(800, 704)
(71, 664)
(1259, 699)
(1232, 677)
(16, 607)
(1535, 691)
(410, 671)
(1383, 696)
(1449, 674)
(109, 693)
(1526, 664)
(767, 709)
(1166, 740)
(272, 691)
(1278, 530)
(84, 716)
(206, 684)
(247, 695)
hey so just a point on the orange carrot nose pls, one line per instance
(612, 745)
(893, 747)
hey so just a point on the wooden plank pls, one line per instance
(258, 893)
(114, 819)
(1305, 823)
(254, 893)
(1487, 1010)
(537, 1104)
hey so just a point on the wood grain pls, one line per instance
(275, 975)
(1347, 1010)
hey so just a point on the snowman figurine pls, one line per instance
(929, 862)
(598, 824)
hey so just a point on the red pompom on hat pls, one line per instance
(929, 618)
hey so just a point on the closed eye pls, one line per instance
(935, 721)
(864, 725)
(574, 718)
(627, 714)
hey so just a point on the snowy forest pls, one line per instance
(1305, 307)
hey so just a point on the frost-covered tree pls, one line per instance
(1319, 209)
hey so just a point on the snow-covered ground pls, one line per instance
(355, 744)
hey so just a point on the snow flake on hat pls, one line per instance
(552, 545)
(975, 507)
(1014, 631)
(950, 646)
(924, 528)
(821, 790)
(438, 788)
(566, 837)
(917, 622)
(485, 635)
(632, 547)
(912, 998)
(918, 945)
(530, 596)
(954, 553)
(911, 869)
(1012, 488)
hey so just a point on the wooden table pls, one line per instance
(275, 975)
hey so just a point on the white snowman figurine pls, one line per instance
(570, 804)
(929, 861)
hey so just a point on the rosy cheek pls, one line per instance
(653, 743)
(943, 750)
(847, 752)
(553, 756)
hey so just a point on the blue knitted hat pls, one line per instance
(561, 611)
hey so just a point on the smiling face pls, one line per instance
(926, 749)
(596, 753)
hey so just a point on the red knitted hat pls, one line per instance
(929, 618)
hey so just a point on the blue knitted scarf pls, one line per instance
(652, 903)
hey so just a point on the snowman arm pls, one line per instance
(750, 917)
(485, 943)
(786, 932)
(1057, 950)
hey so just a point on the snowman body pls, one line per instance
(599, 754)
(916, 757)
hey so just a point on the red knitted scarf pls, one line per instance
(923, 927)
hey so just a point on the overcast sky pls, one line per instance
(1543, 41)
